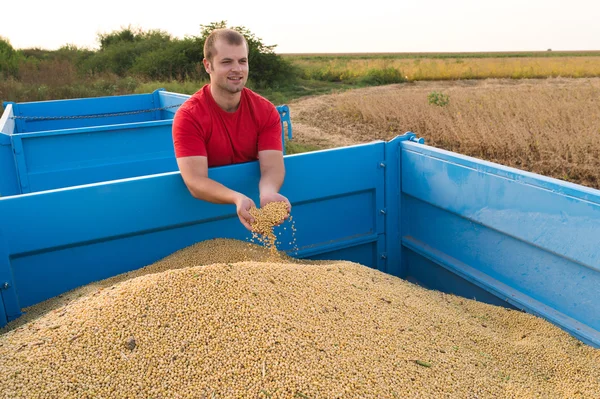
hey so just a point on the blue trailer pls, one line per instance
(89, 189)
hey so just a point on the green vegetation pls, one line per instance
(293, 147)
(437, 98)
(129, 61)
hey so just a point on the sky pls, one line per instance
(310, 26)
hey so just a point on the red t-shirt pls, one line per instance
(201, 127)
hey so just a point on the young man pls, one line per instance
(226, 123)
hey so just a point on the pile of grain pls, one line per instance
(199, 324)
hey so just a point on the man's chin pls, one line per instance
(234, 89)
(231, 89)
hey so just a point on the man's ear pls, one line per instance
(207, 65)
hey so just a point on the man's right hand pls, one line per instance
(243, 205)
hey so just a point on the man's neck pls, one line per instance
(229, 102)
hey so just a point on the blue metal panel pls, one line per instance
(9, 304)
(20, 165)
(550, 214)
(494, 226)
(171, 102)
(284, 116)
(86, 153)
(84, 107)
(391, 165)
(156, 104)
(73, 236)
(393, 203)
(428, 273)
(49, 160)
(9, 184)
(3, 316)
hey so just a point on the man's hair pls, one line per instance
(229, 35)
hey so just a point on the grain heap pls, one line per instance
(215, 320)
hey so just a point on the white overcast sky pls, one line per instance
(301, 26)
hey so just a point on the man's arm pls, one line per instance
(272, 171)
(194, 171)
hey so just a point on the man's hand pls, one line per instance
(272, 171)
(275, 197)
(243, 204)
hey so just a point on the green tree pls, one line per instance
(119, 51)
(126, 35)
(267, 69)
(9, 59)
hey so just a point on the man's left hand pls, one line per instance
(275, 197)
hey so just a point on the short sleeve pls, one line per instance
(188, 136)
(269, 138)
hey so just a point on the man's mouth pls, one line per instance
(235, 78)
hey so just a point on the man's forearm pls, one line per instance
(271, 180)
(209, 190)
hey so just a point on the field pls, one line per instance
(444, 66)
(537, 111)
(547, 126)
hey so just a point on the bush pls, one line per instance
(439, 99)
(120, 51)
(180, 60)
(267, 69)
(383, 76)
(156, 55)
(9, 60)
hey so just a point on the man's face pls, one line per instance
(229, 67)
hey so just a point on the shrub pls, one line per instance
(383, 76)
(439, 99)
(9, 60)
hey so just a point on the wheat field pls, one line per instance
(343, 68)
(549, 126)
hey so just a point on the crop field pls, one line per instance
(546, 126)
(444, 66)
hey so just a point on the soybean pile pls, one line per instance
(231, 319)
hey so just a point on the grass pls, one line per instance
(302, 88)
(293, 147)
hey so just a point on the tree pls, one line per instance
(9, 59)
(267, 69)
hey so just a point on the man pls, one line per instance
(226, 123)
